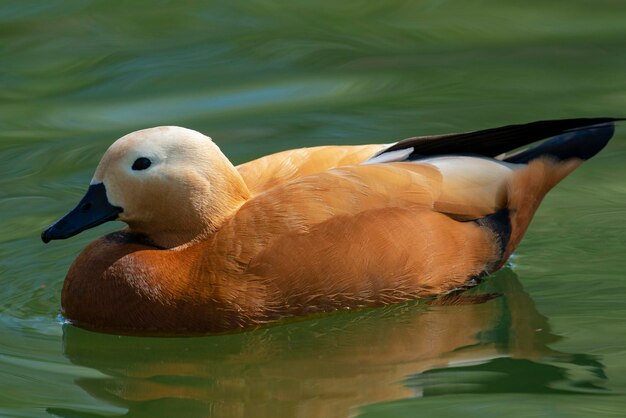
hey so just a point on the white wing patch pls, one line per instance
(390, 157)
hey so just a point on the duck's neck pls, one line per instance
(203, 208)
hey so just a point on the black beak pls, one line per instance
(94, 209)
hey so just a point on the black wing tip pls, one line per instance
(580, 143)
(494, 141)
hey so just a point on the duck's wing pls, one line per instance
(275, 169)
(461, 187)
(371, 234)
(495, 142)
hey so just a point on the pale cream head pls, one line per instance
(188, 188)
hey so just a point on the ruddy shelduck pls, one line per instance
(212, 247)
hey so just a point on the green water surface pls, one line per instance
(261, 76)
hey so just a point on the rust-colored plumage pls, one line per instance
(303, 231)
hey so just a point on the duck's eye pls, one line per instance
(141, 163)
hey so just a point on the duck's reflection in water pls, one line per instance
(325, 367)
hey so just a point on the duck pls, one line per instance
(210, 247)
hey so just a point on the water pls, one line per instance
(259, 77)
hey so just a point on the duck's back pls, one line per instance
(266, 172)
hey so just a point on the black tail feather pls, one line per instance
(496, 141)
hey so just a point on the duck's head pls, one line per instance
(169, 183)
